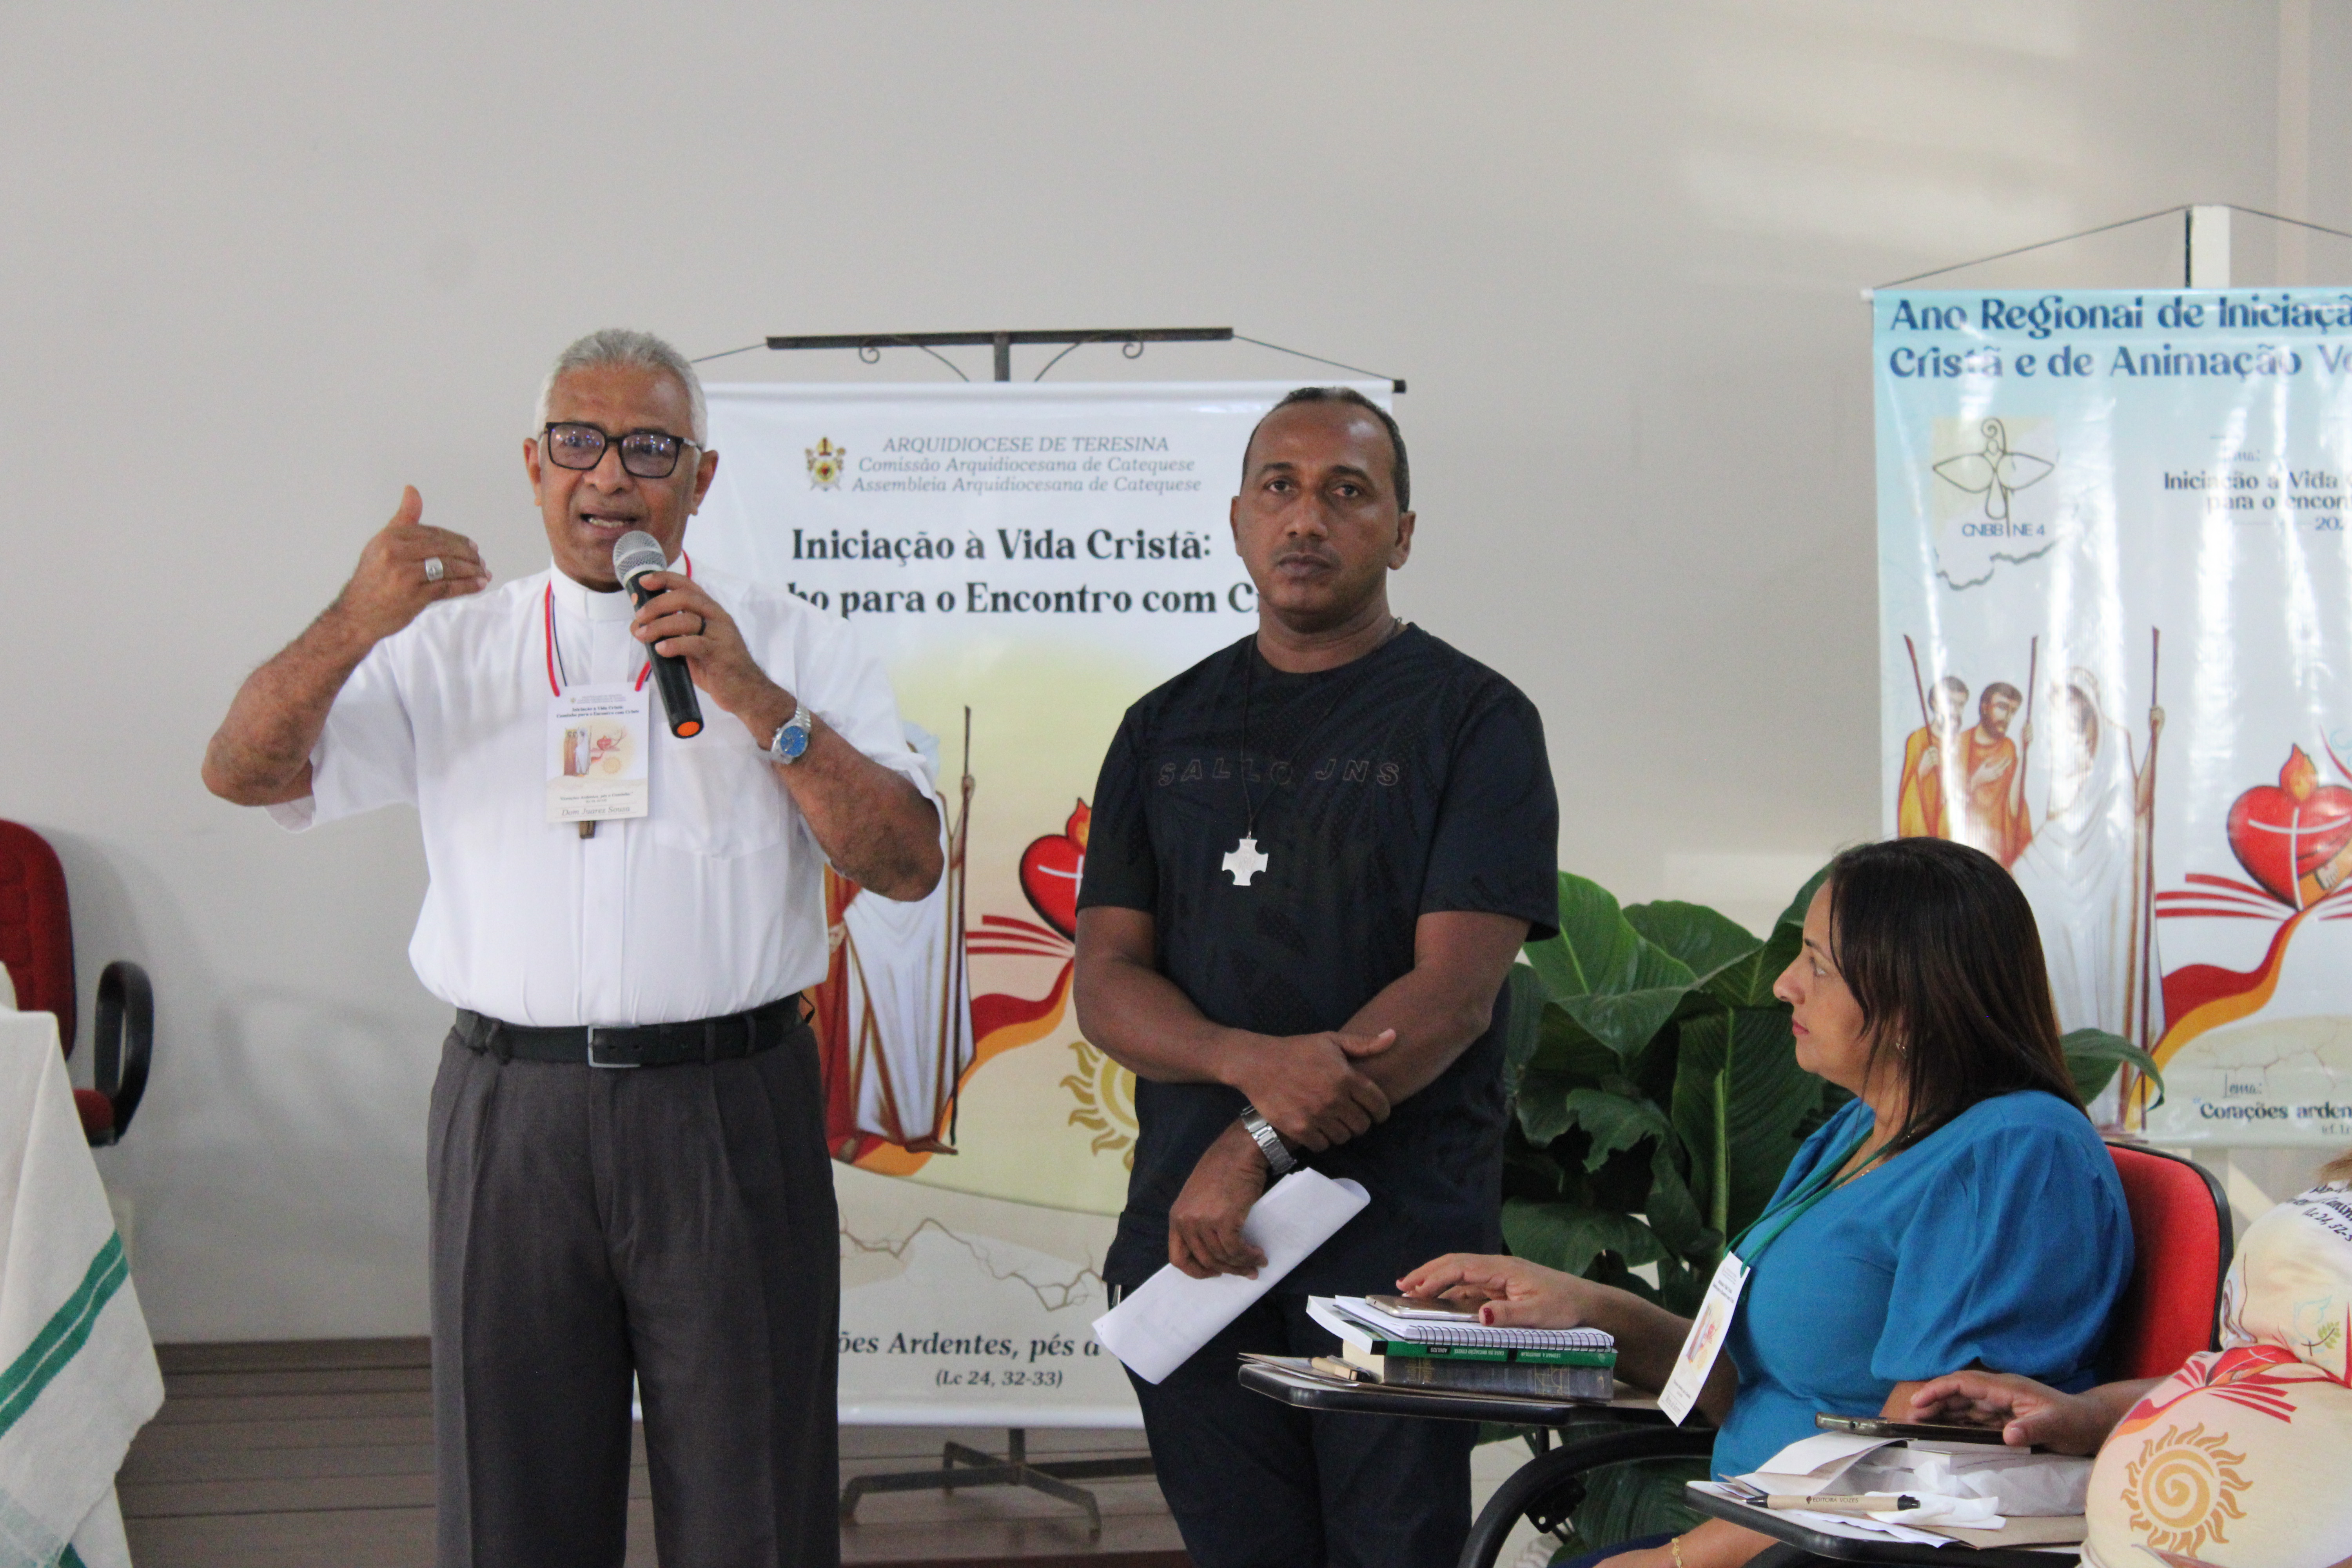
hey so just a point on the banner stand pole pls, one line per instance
(999, 344)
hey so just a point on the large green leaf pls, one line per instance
(1565, 1046)
(1621, 987)
(1625, 1023)
(1542, 1105)
(2094, 1055)
(1614, 1122)
(1672, 1212)
(1594, 947)
(1524, 995)
(1707, 941)
(1568, 1237)
(1739, 1098)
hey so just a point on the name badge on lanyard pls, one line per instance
(599, 739)
(1708, 1330)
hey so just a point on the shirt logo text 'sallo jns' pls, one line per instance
(1278, 771)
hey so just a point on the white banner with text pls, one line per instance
(1038, 557)
(2116, 654)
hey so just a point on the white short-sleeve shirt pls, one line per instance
(711, 904)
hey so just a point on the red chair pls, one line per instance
(2180, 1236)
(36, 944)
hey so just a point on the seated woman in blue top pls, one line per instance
(1963, 1212)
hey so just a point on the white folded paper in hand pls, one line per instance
(1160, 1326)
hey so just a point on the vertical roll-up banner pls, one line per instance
(2116, 612)
(1037, 556)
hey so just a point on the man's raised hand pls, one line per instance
(1308, 1087)
(394, 580)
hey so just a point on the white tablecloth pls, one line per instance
(78, 1373)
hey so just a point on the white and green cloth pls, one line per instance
(78, 1373)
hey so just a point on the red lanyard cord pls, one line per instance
(547, 605)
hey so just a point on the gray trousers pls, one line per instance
(676, 1222)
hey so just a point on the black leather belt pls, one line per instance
(640, 1045)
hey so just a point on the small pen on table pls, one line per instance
(1784, 1501)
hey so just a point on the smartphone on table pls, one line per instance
(1922, 1431)
(1431, 1307)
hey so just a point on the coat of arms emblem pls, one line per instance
(824, 461)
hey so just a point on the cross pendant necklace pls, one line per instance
(1245, 861)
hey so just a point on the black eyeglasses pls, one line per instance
(648, 453)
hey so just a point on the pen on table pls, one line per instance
(1875, 1503)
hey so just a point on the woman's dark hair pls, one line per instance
(1940, 949)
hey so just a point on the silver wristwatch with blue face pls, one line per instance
(792, 739)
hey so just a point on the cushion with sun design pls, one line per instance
(2239, 1458)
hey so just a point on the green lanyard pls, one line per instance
(1797, 1205)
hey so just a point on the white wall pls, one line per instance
(260, 265)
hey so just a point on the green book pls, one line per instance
(1469, 1375)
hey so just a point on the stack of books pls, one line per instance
(1413, 1350)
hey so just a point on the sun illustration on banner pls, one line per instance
(824, 460)
(1106, 1096)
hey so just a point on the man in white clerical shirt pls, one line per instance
(627, 1147)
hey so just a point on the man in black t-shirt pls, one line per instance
(1313, 857)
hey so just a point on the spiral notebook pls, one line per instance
(1439, 1332)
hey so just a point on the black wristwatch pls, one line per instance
(1278, 1157)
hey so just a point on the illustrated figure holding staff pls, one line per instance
(1966, 783)
(2084, 871)
(1920, 797)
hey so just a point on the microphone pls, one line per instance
(634, 554)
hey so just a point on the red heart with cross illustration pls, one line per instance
(1050, 869)
(2282, 833)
